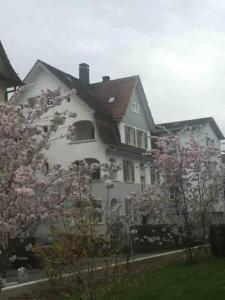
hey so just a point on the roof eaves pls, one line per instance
(113, 80)
(12, 73)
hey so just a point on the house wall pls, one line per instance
(63, 151)
(137, 120)
(137, 177)
(200, 134)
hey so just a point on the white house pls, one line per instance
(113, 122)
(207, 133)
(204, 130)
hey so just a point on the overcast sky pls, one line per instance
(176, 46)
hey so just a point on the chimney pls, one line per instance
(105, 78)
(84, 73)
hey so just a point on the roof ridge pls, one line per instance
(182, 121)
(59, 70)
(117, 79)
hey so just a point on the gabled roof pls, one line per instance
(121, 89)
(82, 91)
(93, 95)
(179, 125)
(9, 76)
(110, 135)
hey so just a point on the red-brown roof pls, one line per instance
(121, 89)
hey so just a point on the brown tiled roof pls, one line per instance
(11, 77)
(121, 89)
(105, 113)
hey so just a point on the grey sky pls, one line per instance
(176, 46)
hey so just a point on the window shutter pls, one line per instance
(146, 140)
(132, 168)
(124, 171)
(126, 135)
(134, 137)
(138, 138)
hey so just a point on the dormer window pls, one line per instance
(135, 108)
(111, 99)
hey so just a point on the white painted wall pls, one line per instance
(119, 158)
(63, 151)
(200, 134)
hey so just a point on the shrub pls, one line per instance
(217, 239)
(151, 238)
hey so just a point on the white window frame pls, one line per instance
(128, 171)
(135, 108)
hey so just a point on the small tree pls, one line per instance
(191, 185)
(26, 190)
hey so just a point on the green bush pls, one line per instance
(217, 239)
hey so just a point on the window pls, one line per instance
(96, 174)
(135, 107)
(97, 205)
(45, 128)
(114, 203)
(135, 137)
(128, 207)
(142, 176)
(209, 142)
(144, 220)
(82, 131)
(31, 102)
(128, 170)
(130, 135)
(111, 99)
(112, 172)
(142, 139)
(212, 168)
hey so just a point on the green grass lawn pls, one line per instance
(205, 280)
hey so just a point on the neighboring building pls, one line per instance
(207, 133)
(8, 77)
(113, 122)
(204, 130)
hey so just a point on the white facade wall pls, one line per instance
(137, 163)
(63, 151)
(200, 134)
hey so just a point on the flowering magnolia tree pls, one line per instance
(26, 190)
(190, 182)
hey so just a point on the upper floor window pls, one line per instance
(130, 135)
(83, 130)
(135, 137)
(128, 170)
(135, 107)
(209, 141)
(142, 139)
